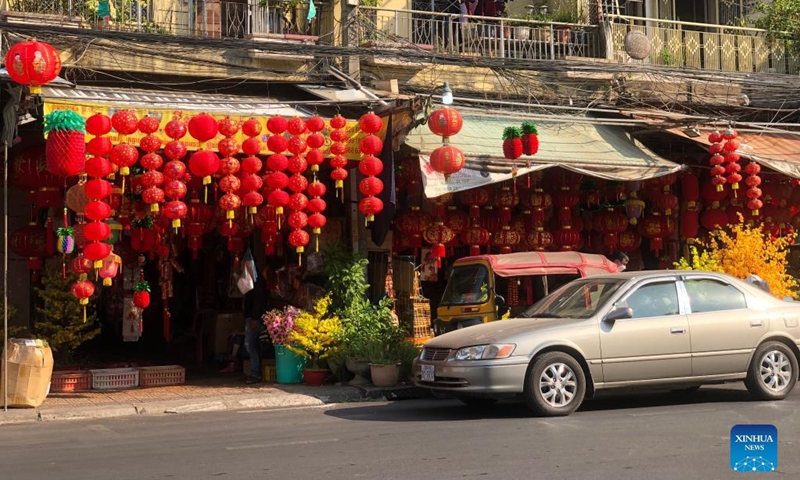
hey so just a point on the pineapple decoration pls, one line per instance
(512, 148)
(229, 166)
(66, 244)
(338, 149)
(152, 162)
(530, 143)
(141, 294)
(124, 155)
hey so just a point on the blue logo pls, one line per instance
(754, 448)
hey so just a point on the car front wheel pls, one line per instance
(555, 385)
(773, 372)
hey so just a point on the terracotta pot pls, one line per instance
(385, 375)
(315, 378)
(360, 367)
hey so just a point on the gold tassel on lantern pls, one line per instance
(84, 302)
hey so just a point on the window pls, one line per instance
(654, 300)
(578, 299)
(708, 295)
(467, 285)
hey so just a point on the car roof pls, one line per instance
(646, 274)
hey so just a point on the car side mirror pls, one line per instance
(619, 313)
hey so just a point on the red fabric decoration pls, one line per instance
(149, 125)
(296, 126)
(370, 206)
(96, 252)
(438, 235)
(125, 122)
(65, 152)
(338, 122)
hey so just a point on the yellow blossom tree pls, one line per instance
(745, 251)
(315, 333)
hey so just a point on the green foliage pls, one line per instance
(511, 132)
(142, 286)
(406, 352)
(12, 312)
(780, 17)
(361, 320)
(316, 333)
(59, 320)
(529, 128)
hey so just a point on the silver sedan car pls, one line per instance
(672, 329)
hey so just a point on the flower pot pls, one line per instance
(288, 365)
(385, 375)
(522, 33)
(359, 367)
(315, 377)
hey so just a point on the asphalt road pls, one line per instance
(651, 436)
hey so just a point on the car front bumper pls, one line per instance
(490, 376)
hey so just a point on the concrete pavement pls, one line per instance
(205, 396)
(646, 436)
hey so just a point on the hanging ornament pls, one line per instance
(33, 63)
(315, 141)
(97, 210)
(83, 290)
(512, 146)
(369, 146)
(753, 183)
(141, 294)
(438, 235)
(475, 198)
(447, 160)
(316, 205)
(476, 237)
(66, 148)
(337, 150)
(717, 159)
(124, 155)
(110, 268)
(530, 139)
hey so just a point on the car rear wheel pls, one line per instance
(477, 402)
(555, 385)
(773, 372)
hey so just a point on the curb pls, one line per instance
(295, 397)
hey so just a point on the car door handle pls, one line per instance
(677, 330)
(756, 323)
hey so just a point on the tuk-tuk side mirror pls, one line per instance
(502, 306)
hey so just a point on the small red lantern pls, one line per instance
(445, 122)
(370, 206)
(506, 239)
(438, 235)
(475, 198)
(476, 237)
(370, 145)
(540, 240)
(203, 127)
(413, 224)
(299, 239)
(83, 290)
(33, 63)
(369, 123)
(567, 238)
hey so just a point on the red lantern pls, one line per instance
(30, 242)
(714, 218)
(297, 145)
(476, 237)
(690, 223)
(96, 252)
(567, 239)
(98, 124)
(457, 221)
(203, 128)
(413, 224)
(369, 123)
(690, 189)
(656, 228)
(33, 63)
(82, 290)
(124, 156)
(370, 166)
(540, 240)
(475, 198)
(296, 126)
(277, 124)
(30, 170)
(666, 202)
(506, 239)
(447, 160)
(370, 186)
(445, 122)
(370, 145)
(125, 122)
(629, 241)
(565, 201)
(175, 210)
(370, 206)
(438, 235)
(299, 239)
(204, 163)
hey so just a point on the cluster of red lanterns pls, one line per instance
(370, 166)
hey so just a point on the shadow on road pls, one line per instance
(453, 410)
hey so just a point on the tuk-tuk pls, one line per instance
(486, 288)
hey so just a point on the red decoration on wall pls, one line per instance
(475, 198)
(438, 235)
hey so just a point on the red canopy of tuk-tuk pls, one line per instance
(545, 263)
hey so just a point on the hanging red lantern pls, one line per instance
(277, 124)
(125, 122)
(370, 206)
(30, 242)
(413, 224)
(476, 237)
(30, 170)
(299, 239)
(447, 160)
(629, 241)
(612, 224)
(438, 235)
(204, 163)
(565, 201)
(456, 220)
(82, 290)
(98, 124)
(690, 190)
(33, 64)
(370, 123)
(666, 202)
(539, 240)
(445, 122)
(370, 145)
(714, 218)
(475, 198)
(567, 238)
(656, 228)
(203, 127)
(530, 139)
(66, 145)
(506, 239)
(175, 210)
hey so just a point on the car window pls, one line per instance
(577, 299)
(706, 295)
(654, 300)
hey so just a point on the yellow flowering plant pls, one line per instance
(316, 333)
(745, 251)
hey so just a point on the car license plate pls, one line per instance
(428, 373)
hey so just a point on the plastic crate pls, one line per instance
(270, 373)
(71, 381)
(114, 378)
(162, 375)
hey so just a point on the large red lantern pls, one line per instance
(567, 238)
(539, 240)
(33, 63)
(370, 206)
(476, 237)
(475, 198)
(506, 239)
(714, 219)
(447, 160)
(203, 127)
(690, 190)
(204, 163)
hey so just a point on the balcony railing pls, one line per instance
(198, 18)
(473, 35)
(709, 47)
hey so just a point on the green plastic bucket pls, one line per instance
(288, 365)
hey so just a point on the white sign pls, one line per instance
(435, 184)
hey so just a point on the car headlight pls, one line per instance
(483, 352)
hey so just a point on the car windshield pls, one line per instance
(578, 299)
(467, 285)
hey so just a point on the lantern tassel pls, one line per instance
(63, 267)
(123, 184)
(84, 314)
(316, 243)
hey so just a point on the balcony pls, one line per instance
(671, 43)
(243, 19)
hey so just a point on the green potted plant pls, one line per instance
(384, 363)
(280, 324)
(565, 15)
(315, 335)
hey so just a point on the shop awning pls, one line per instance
(165, 103)
(778, 151)
(600, 151)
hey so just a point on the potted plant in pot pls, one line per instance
(280, 324)
(316, 334)
(384, 364)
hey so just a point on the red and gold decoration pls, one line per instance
(439, 235)
(716, 149)
(152, 179)
(97, 210)
(33, 63)
(506, 239)
(753, 182)
(317, 221)
(446, 159)
(124, 155)
(30, 242)
(315, 141)
(731, 159)
(371, 185)
(475, 237)
(111, 265)
(141, 294)
(203, 163)
(229, 167)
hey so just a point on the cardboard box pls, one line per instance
(30, 366)
(223, 326)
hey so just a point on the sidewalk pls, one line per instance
(202, 395)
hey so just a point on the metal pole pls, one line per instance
(5, 277)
